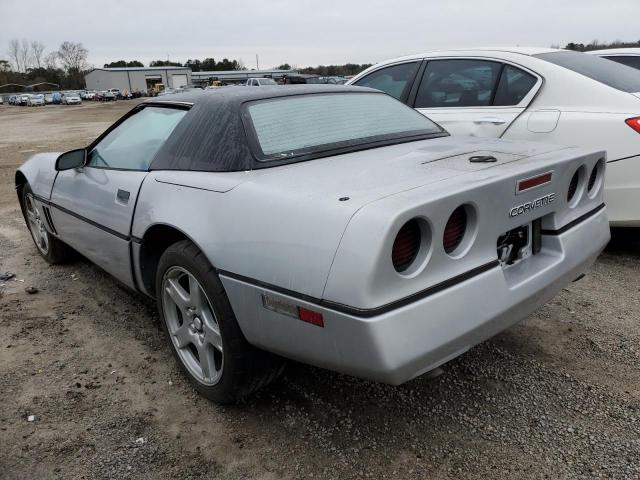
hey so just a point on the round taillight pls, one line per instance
(455, 229)
(573, 186)
(406, 245)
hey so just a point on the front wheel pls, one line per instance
(52, 250)
(203, 332)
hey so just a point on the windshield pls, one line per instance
(613, 74)
(307, 124)
(267, 81)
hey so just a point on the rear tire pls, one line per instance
(52, 249)
(203, 332)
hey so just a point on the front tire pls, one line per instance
(204, 335)
(49, 247)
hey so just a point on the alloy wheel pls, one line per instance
(192, 325)
(36, 225)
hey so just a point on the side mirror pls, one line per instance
(72, 159)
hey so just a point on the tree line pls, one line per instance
(206, 65)
(597, 45)
(211, 65)
(28, 63)
(336, 70)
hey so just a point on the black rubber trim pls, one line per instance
(575, 222)
(91, 222)
(84, 219)
(623, 158)
(367, 312)
(269, 286)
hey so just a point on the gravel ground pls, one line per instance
(557, 396)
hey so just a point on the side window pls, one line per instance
(633, 62)
(514, 85)
(133, 144)
(457, 83)
(394, 80)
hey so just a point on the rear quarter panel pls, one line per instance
(592, 114)
(270, 235)
(597, 130)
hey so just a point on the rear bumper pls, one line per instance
(622, 192)
(403, 343)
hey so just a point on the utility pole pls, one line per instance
(257, 64)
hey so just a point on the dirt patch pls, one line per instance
(557, 396)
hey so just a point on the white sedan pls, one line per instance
(535, 94)
(626, 56)
(71, 98)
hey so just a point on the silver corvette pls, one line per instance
(330, 225)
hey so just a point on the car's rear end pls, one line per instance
(386, 249)
(475, 243)
(486, 251)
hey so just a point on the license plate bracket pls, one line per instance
(519, 243)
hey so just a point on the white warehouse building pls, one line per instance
(132, 79)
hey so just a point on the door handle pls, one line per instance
(492, 120)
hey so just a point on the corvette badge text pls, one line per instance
(532, 205)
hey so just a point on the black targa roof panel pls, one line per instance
(211, 137)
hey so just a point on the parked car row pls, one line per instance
(168, 91)
(296, 79)
(41, 99)
(69, 97)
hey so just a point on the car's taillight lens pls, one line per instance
(406, 245)
(455, 229)
(634, 123)
(573, 186)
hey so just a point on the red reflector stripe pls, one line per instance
(534, 181)
(310, 316)
(634, 123)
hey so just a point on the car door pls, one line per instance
(472, 96)
(94, 205)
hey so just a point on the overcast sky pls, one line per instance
(308, 32)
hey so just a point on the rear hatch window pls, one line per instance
(302, 125)
(613, 74)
